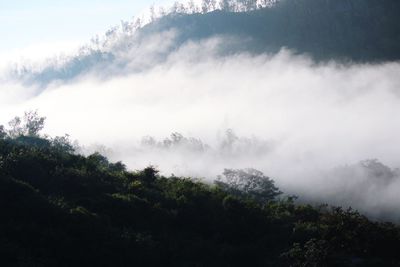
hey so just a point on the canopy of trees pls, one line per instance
(59, 208)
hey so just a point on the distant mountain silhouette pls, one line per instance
(340, 30)
(367, 30)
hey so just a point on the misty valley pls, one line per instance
(207, 133)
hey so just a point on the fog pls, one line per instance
(306, 125)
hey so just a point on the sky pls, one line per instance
(55, 26)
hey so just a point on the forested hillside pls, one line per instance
(356, 30)
(60, 208)
(340, 30)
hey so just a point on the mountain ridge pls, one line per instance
(341, 31)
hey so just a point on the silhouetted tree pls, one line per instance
(152, 13)
(33, 123)
(226, 5)
(192, 7)
(15, 127)
(150, 174)
(30, 125)
(208, 5)
(63, 143)
(161, 11)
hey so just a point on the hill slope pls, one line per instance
(62, 209)
(334, 29)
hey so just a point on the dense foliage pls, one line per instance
(59, 208)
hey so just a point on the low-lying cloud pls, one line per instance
(293, 119)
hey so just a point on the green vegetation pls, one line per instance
(59, 208)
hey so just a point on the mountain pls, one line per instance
(340, 30)
(326, 30)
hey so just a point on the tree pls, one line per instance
(63, 143)
(137, 24)
(229, 140)
(15, 127)
(248, 183)
(161, 11)
(149, 175)
(208, 5)
(226, 5)
(152, 13)
(192, 8)
(33, 123)
(30, 125)
(246, 5)
(251, 5)
(175, 8)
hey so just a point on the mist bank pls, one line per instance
(290, 117)
(368, 185)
